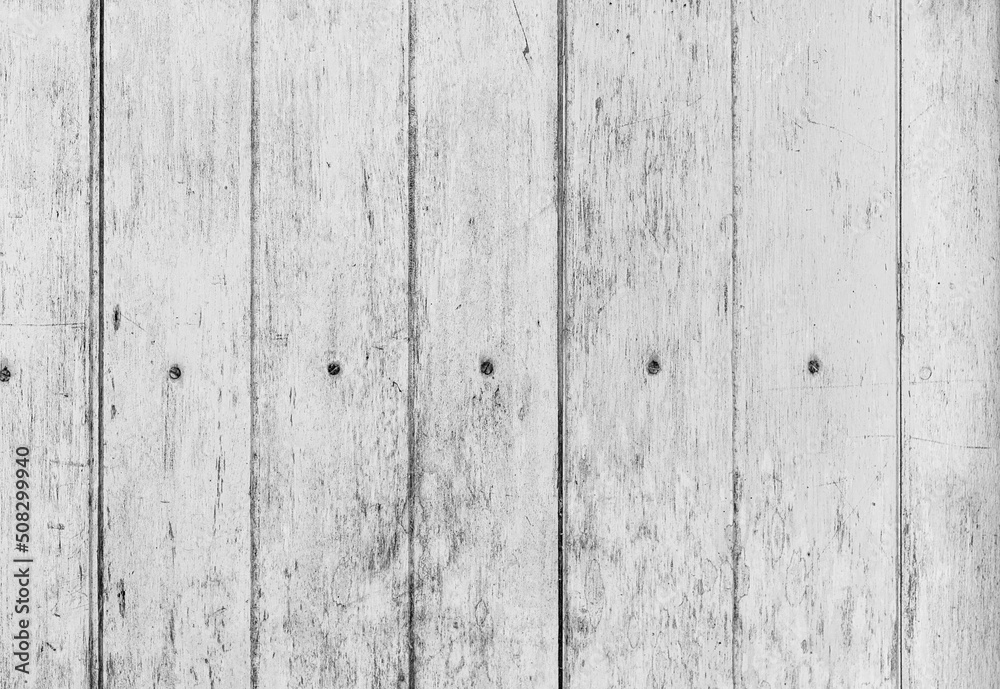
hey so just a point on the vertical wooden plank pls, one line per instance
(816, 351)
(177, 305)
(483, 99)
(648, 473)
(45, 67)
(332, 540)
(951, 324)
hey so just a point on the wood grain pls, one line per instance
(951, 306)
(176, 598)
(331, 519)
(816, 349)
(44, 316)
(483, 99)
(648, 436)
(321, 319)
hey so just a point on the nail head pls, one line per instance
(4, 374)
(653, 367)
(814, 366)
(486, 368)
(175, 372)
(333, 369)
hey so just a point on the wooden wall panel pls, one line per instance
(816, 351)
(951, 306)
(648, 436)
(331, 519)
(569, 343)
(44, 346)
(483, 103)
(176, 574)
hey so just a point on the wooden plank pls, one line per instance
(951, 327)
(331, 524)
(816, 348)
(44, 345)
(648, 435)
(177, 370)
(483, 99)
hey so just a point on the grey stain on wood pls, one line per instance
(371, 190)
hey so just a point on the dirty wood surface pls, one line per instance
(484, 370)
(816, 474)
(648, 435)
(545, 344)
(175, 520)
(951, 363)
(330, 519)
(45, 339)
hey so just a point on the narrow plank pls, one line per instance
(951, 327)
(816, 481)
(176, 360)
(483, 98)
(44, 344)
(331, 524)
(648, 434)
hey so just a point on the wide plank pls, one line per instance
(482, 94)
(816, 355)
(176, 407)
(45, 343)
(331, 524)
(951, 328)
(648, 369)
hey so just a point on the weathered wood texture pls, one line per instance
(44, 346)
(331, 519)
(176, 294)
(951, 366)
(483, 95)
(648, 451)
(816, 350)
(312, 279)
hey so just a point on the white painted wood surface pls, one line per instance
(950, 367)
(485, 542)
(330, 275)
(729, 272)
(816, 345)
(648, 436)
(44, 345)
(176, 454)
